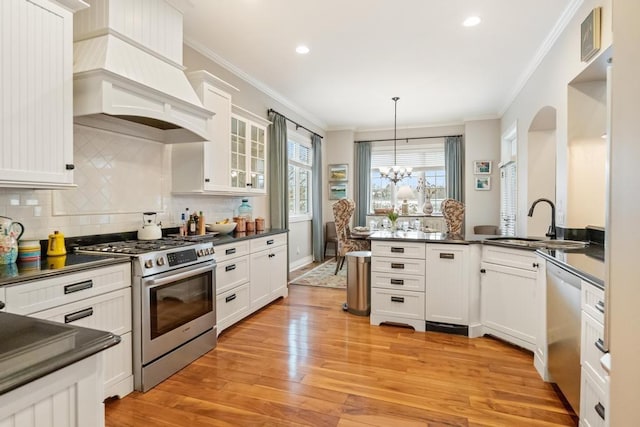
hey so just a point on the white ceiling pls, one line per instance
(364, 52)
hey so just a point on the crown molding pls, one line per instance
(543, 50)
(213, 56)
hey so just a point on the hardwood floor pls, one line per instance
(303, 361)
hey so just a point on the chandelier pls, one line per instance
(395, 173)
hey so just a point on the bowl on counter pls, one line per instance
(222, 228)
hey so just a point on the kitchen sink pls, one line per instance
(538, 243)
(559, 244)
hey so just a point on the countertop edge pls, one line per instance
(568, 267)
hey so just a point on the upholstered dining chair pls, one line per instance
(453, 213)
(342, 213)
(330, 236)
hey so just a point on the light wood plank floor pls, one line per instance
(303, 361)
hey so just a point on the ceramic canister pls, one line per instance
(28, 250)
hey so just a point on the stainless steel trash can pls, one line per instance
(359, 282)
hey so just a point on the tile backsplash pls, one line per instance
(118, 178)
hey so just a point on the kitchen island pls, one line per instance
(52, 373)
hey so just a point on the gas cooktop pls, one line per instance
(137, 247)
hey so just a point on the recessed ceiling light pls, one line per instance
(302, 49)
(471, 21)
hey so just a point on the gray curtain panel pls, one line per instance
(317, 226)
(362, 184)
(278, 171)
(454, 164)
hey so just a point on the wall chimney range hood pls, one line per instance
(128, 75)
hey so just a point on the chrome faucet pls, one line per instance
(551, 233)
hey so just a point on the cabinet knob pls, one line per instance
(2, 305)
(69, 166)
(207, 180)
(482, 270)
(536, 265)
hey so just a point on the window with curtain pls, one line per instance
(300, 178)
(427, 159)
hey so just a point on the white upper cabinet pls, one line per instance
(36, 132)
(234, 161)
(248, 151)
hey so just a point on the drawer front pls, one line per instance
(232, 273)
(108, 312)
(398, 281)
(592, 336)
(593, 301)
(231, 250)
(398, 266)
(518, 258)
(387, 302)
(31, 297)
(398, 249)
(268, 242)
(592, 401)
(232, 306)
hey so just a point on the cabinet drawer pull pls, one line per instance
(207, 180)
(397, 282)
(87, 284)
(397, 250)
(2, 305)
(600, 345)
(69, 166)
(600, 306)
(230, 251)
(272, 255)
(444, 255)
(397, 299)
(270, 242)
(599, 409)
(230, 267)
(397, 265)
(230, 298)
(78, 315)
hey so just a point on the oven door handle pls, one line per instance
(179, 276)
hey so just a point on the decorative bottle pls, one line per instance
(245, 211)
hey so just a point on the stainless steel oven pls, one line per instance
(174, 306)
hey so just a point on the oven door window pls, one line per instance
(177, 303)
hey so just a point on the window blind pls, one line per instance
(418, 157)
(508, 198)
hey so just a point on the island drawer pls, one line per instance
(397, 281)
(398, 266)
(397, 249)
(397, 304)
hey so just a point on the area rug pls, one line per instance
(323, 276)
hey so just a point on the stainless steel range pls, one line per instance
(174, 317)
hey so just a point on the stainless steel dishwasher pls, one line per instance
(563, 332)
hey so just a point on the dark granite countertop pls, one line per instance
(222, 239)
(31, 348)
(587, 263)
(53, 266)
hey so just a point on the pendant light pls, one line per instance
(395, 173)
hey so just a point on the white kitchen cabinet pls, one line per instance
(248, 152)
(97, 298)
(268, 270)
(594, 384)
(204, 167)
(36, 135)
(540, 358)
(398, 283)
(68, 397)
(509, 297)
(447, 284)
(232, 283)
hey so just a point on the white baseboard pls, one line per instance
(301, 263)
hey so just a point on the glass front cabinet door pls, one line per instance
(248, 153)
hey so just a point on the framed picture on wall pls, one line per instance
(590, 35)
(338, 172)
(483, 183)
(337, 190)
(482, 167)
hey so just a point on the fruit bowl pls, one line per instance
(222, 228)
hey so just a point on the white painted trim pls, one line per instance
(542, 52)
(300, 263)
(203, 50)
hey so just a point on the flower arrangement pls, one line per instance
(428, 189)
(393, 216)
